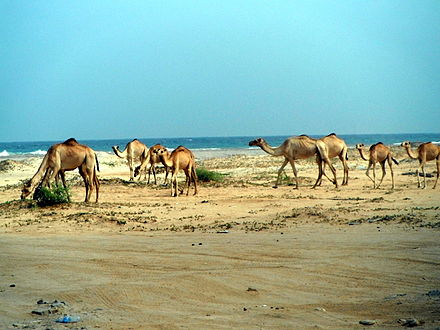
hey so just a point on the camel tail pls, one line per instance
(97, 163)
(346, 156)
(395, 161)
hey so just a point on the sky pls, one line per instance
(124, 69)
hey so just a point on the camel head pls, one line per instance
(27, 189)
(360, 146)
(137, 170)
(406, 144)
(258, 142)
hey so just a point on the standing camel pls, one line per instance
(336, 147)
(379, 153)
(62, 157)
(134, 151)
(425, 153)
(180, 158)
(150, 161)
(299, 147)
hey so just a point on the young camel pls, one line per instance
(62, 157)
(150, 161)
(299, 147)
(425, 153)
(378, 154)
(336, 147)
(179, 159)
(134, 151)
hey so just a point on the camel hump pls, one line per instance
(332, 134)
(376, 144)
(71, 142)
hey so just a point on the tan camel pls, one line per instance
(150, 162)
(425, 153)
(299, 147)
(134, 151)
(180, 158)
(379, 153)
(62, 157)
(336, 148)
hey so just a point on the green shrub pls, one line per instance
(206, 176)
(52, 196)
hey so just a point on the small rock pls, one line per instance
(320, 309)
(41, 302)
(410, 322)
(244, 309)
(252, 289)
(12, 286)
(433, 293)
(367, 322)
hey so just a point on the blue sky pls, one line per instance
(124, 69)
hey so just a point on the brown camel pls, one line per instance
(134, 151)
(336, 147)
(150, 161)
(425, 153)
(299, 147)
(180, 158)
(62, 157)
(379, 153)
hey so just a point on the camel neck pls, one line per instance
(271, 150)
(411, 153)
(361, 152)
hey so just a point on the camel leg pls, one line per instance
(370, 164)
(85, 179)
(345, 165)
(153, 168)
(166, 175)
(295, 172)
(382, 164)
(390, 164)
(332, 168)
(280, 171)
(194, 178)
(438, 170)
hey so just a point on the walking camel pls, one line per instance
(134, 151)
(66, 156)
(336, 147)
(425, 153)
(379, 153)
(299, 147)
(151, 160)
(180, 158)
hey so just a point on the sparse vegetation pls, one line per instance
(52, 196)
(207, 176)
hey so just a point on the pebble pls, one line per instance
(410, 322)
(367, 322)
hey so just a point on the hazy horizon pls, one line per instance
(119, 70)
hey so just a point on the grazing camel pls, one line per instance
(150, 161)
(336, 147)
(62, 157)
(134, 151)
(379, 153)
(179, 159)
(299, 147)
(425, 153)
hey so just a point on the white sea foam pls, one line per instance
(38, 152)
(4, 153)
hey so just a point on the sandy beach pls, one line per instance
(240, 254)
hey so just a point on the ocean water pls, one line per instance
(237, 143)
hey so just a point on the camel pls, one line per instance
(151, 160)
(66, 156)
(134, 151)
(299, 147)
(379, 153)
(425, 153)
(180, 158)
(336, 147)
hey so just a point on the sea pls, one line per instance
(208, 146)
